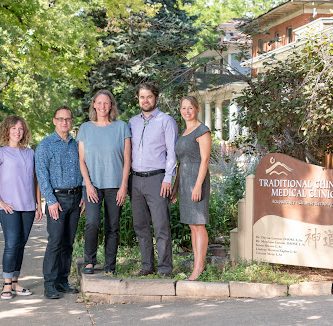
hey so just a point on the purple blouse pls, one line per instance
(17, 186)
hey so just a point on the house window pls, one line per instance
(260, 46)
(289, 34)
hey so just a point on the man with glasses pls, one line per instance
(154, 135)
(59, 178)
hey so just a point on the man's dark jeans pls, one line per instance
(16, 229)
(58, 255)
(111, 227)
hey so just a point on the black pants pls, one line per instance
(111, 227)
(58, 255)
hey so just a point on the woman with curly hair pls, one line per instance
(20, 200)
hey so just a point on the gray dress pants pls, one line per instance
(149, 207)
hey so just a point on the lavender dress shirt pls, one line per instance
(17, 186)
(153, 143)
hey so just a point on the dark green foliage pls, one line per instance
(273, 103)
(180, 233)
(223, 206)
(229, 173)
(288, 108)
(142, 48)
(127, 234)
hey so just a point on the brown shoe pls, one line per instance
(143, 272)
(164, 275)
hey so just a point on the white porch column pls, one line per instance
(233, 126)
(208, 115)
(201, 113)
(218, 120)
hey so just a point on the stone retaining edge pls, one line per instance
(311, 288)
(104, 289)
(99, 288)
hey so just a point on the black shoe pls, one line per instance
(66, 288)
(144, 272)
(88, 270)
(51, 292)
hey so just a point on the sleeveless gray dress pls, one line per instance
(188, 156)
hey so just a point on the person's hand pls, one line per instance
(173, 196)
(165, 189)
(6, 207)
(54, 210)
(38, 213)
(196, 193)
(83, 206)
(121, 195)
(92, 194)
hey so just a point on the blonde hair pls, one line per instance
(9, 122)
(113, 113)
(193, 100)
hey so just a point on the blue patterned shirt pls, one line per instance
(57, 165)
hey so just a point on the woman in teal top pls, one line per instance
(104, 150)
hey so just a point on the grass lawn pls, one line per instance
(128, 264)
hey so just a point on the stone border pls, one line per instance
(105, 289)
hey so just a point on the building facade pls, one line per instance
(276, 33)
(221, 79)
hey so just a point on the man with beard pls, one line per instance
(154, 135)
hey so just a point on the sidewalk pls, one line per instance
(35, 309)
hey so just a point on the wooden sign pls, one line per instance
(293, 212)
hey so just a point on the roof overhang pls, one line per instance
(287, 8)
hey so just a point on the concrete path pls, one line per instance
(36, 310)
(231, 312)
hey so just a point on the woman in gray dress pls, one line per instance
(192, 181)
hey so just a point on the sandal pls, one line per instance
(22, 292)
(88, 270)
(6, 295)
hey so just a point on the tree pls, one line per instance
(47, 49)
(288, 109)
(143, 47)
(210, 14)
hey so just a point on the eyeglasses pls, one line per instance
(67, 120)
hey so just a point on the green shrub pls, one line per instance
(180, 233)
(126, 230)
(227, 188)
